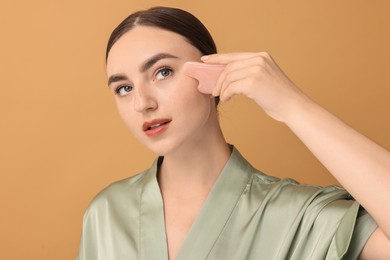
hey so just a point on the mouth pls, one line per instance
(156, 126)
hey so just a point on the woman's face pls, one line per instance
(161, 106)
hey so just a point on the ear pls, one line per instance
(206, 74)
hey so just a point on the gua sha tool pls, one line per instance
(206, 74)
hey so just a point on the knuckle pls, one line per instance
(261, 61)
(251, 81)
(228, 67)
(265, 54)
(258, 69)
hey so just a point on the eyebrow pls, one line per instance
(144, 67)
(116, 78)
(155, 58)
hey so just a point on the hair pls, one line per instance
(170, 19)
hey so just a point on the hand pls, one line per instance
(258, 77)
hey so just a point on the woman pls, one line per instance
(201, 199)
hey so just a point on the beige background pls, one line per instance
(61, 138)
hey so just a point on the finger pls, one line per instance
(239, 87)
(256, 63)
(229, 68)
(231, 77)
(226, 58)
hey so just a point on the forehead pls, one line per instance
(142, 42)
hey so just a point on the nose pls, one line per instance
(144, 99)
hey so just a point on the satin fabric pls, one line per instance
(247, 215)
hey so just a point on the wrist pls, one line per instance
(299, 110)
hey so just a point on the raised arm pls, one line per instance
(359, 164)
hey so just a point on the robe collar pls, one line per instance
(213, 216)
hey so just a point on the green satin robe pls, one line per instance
(247, 215)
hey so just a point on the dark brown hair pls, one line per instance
(170, 19)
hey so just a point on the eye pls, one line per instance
(123, 90)
(163, 73)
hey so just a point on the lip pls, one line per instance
(156, 126)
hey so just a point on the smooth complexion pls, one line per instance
(161, 91)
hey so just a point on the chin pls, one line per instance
(160, 148)
(167, 146)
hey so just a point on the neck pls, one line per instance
(194, 169)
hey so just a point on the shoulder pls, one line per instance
(113, 215)
(309, 197)
(118, 188)
(118, 195)
(267, 188)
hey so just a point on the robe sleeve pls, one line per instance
(331, 215)
(88, 248)
(110, 223)
(362, 229)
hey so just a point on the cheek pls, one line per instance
(185, 93)
(128, 115)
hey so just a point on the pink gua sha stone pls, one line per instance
(206, 74)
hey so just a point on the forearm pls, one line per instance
(359, 164)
